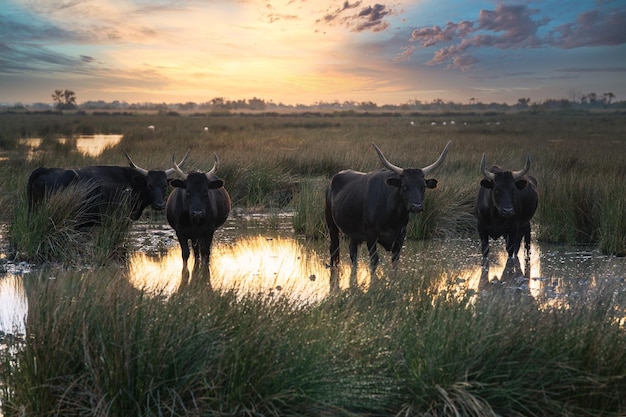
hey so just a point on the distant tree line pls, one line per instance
(66, 100)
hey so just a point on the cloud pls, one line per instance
(592, 28)
(366, 18)
(514, 27)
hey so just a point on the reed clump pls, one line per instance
(59, 229)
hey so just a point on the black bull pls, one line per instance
(374, 207)
(506, 203)
(108, 184)
(198, 205)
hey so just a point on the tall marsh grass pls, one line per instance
(98, 346)
(56, 231)
(263, 159)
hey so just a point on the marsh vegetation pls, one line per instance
(412, 345)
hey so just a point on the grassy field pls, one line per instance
(407, 347)
(275, 162)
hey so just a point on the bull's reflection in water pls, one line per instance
(251, 265)
(291, 267)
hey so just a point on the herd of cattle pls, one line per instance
(371, 207)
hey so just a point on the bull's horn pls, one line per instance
(518, 174)
(483, 169)
(170, 171)
(427, 170)
(215, 165)
(177, 169)
(387, 164)
(142, 171)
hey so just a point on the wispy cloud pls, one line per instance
(514, 27)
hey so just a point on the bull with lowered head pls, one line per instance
(196, 208)
(506, 203)
(108, 184)
(374, 207)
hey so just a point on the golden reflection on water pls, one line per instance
(523, 275)
(91, 145)
(13, 304)
(252, 265)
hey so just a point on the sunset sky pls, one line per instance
(306, 51)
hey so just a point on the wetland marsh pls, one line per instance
(109, 329)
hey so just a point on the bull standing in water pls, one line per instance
(506, 203)
(198, 205)
(374, 207)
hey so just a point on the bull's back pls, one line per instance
(344, 200)
(43, 180)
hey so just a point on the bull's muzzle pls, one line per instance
(507, 212)
(158, 205)
(197, 214)
(416, 208)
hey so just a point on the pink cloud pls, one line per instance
(513, 27)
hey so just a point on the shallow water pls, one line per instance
(251, 257)
(91, 145)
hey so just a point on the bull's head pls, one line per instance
(197, 185)
(153, 183)
(412, 182)
(503, 185)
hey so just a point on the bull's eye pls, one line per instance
(405, 188)
(188, 194)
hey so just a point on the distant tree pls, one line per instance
(608, 97)
(64, 99)
(523, 102)
(256, 104)
(218, 102)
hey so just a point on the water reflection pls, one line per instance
(13, 304)
(282, 264)
(91, 145)
(248, 265)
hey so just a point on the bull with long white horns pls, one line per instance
(374, 207)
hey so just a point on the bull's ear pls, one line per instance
(431, 183)
(486, 183)
(178, 183)
(394, 181)
(521, 184)
(216, 184)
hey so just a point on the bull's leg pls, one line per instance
(484, 247)
(196, 250)
(354, 252)
(333, 231)
(396, 248)
(527, 241)
(354, 260)
(334, 247)
(372, 249)
(205, 248)
(184, 246)
(513, 243)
